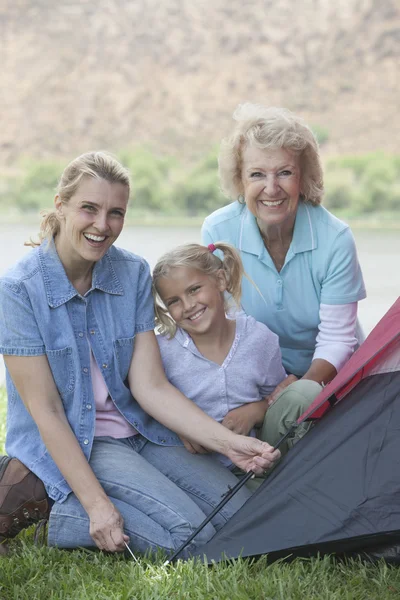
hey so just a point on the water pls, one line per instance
(378, 252)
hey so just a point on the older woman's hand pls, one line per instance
(250, 454)
(279, 388)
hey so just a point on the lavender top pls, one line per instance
(251, 370)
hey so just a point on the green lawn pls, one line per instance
(42, 573)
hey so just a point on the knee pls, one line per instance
(298, 396)
(198, 542)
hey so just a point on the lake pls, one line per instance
(378, 251)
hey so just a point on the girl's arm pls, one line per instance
(243, 419)
(166, 404)
(35, 384)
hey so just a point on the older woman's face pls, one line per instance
(271, 184)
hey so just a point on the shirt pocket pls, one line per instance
(62, 367)
(123, 349)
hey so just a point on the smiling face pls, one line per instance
(91, 220)
(271, 183)
(194, 300)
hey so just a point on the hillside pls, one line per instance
(80, 74)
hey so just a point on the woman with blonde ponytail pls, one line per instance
(84, 378)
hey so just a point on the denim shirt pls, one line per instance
(41, 313)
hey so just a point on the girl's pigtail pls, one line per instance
(165, 325)
(233, 269)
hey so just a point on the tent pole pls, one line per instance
(229, 494)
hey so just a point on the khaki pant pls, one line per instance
(282, 414)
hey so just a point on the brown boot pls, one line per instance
(23, 499)
(3, 548)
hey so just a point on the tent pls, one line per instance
(338, 489)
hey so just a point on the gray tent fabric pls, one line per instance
(337, 490)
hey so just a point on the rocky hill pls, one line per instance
(78, 74)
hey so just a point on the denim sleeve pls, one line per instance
(19, 331)
(144, 301)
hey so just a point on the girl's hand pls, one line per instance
(250, 454)
(192, 447)
(279, 388)
(107, 526)
(243, 419)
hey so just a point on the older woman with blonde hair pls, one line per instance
(301, 258)
(84, 378)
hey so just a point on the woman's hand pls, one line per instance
(250, 454)
(192, 447)
(243, 419)
(107, 526)
(279, 388)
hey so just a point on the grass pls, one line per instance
(31, 572)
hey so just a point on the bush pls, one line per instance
(368, 183)
(36, 187)
(198, 191)
(321, 133)
(363, 184)
(152, 179)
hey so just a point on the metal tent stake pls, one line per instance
(224, 500)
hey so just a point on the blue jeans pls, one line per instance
(163, 494)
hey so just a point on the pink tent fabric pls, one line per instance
(385, 335)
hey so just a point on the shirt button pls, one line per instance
(279, 282)
(89, 406)
(80, 334)
(85, 370)
(135, 423)
(92, 332)
(162, 441)
(105, 366)
(86, 441)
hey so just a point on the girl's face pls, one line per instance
(91, 220)
(194, 300)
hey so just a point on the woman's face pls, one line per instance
(271, 184)
(91, 220)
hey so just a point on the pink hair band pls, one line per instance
(211, 248)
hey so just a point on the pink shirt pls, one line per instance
(109, 421)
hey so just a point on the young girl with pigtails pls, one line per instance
(220, 362)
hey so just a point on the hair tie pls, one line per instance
(211, 248)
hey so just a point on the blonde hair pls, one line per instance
(92, 164)
(203, 259)
(270, 127)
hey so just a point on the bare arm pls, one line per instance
(244, 418)
(165, 403)
(320, 371)
(35, 384)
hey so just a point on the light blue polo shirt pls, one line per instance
(321, 266)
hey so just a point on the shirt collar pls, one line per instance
(58, 287)
(304, 237)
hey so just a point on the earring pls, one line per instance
(241, 199)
